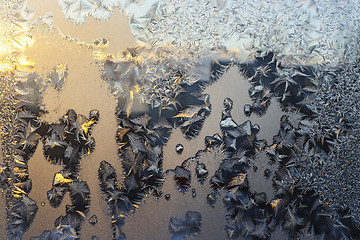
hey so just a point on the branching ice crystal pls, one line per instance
(309, 30)
(79, 10)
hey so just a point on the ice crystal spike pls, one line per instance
(183, 178)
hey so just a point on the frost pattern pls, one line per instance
(235, 201)
(78, 11)
(316, 30)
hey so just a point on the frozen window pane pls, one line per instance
(210, 120)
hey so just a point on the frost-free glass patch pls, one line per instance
(179, 119)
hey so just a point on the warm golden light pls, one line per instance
(13, 40)
(6, 48)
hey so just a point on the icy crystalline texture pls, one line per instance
(189, 226)
(334, 175)
(179, 148)
(192, 30)
(79, 10)
(312, 28)
(182, 178)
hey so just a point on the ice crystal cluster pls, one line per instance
(337, 125)
(313, 157)
(311, 29)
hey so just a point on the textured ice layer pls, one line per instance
(326, 30)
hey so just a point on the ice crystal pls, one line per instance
(189, 226)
